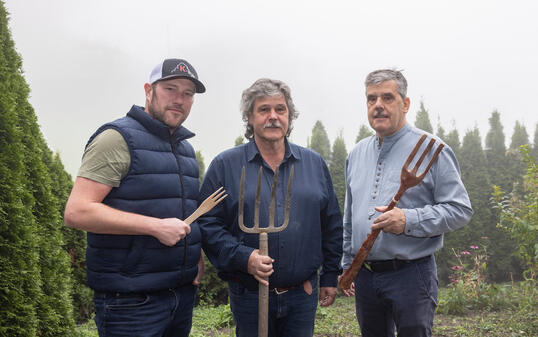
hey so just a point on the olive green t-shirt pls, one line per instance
(106, 160)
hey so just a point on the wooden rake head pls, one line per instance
(271, 227)
(410, 178)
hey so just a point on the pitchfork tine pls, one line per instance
(434, 158)
(273, 198)
(424, 153)
(414, 152)
(258, 202)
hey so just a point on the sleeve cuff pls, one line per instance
(411, 222)
(242, 257)
(328, 279)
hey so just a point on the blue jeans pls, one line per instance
(165, 313)
(290, 314)
(403, 299)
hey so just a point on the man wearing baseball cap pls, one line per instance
(137, 181)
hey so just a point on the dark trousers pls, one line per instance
(402, 300)
(290, 314)
(165, 313)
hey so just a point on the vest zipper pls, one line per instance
(182, 204)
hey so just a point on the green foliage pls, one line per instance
(212, 291)
(364, 132)
(519, 217)
(453, 140)
(319, 141)
(337, 168)
(535, 143)
(423, 119)
(239, 140)
(201, 166)
(35, 284)
(519, 137)
(212, 321)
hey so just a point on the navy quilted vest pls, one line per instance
(162, 182)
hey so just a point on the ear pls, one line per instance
(148, 89)
(407, 104)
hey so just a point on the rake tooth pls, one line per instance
(258, 197)
(241, 201)
(434, 158)
(272, 203)
(424, 153)
(414, 152)
(288, 195)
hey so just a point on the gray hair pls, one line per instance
(382, 75)
(262, 88)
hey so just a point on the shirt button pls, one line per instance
(373, 197)
(378, 174)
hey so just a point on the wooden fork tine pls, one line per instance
(424, 153)
(434, 158)
(414, 152)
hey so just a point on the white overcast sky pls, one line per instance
(86, 61)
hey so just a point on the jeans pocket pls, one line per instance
(427, 272)
(122, 302)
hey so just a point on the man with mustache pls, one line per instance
(137, 181)
(312, 239)
(396, 289)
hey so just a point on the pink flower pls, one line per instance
(455, 281)
(473, 247)
(465, 253)
(456, 267)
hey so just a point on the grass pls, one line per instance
(339, 321)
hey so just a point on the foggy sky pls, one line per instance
(86, 61)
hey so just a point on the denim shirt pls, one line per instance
(313, 237)
(439, 204)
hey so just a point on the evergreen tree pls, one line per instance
(453, 140)
(440, 130)
(423, 119)
(47, 309)
(519, 137)
(74, 243)
(239, 140)
(337, 168)
(201, 165)
(534, 151)
(498, 165)
(20, 278)
(364, 132)
(319, 141)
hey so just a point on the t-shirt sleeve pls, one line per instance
(106, 159)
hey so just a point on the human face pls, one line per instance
(269, 119)
(170, 101)
(386, 108)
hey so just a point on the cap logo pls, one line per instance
(182, 67)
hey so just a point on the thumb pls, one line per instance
(381, 209)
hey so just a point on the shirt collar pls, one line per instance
(390, 140)
(253, 152)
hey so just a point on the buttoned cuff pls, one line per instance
(411, 222)
(328, 279)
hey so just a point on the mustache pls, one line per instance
(273, 124)
(176, 107)
(380, 113)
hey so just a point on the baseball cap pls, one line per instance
(171, 68)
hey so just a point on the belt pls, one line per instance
(282, 290)
(390, 265)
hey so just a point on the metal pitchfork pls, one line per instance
(263, 290)
(408, 179)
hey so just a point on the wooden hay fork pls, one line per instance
(263, 290)
(408, 179)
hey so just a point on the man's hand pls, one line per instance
(350, 291)
(260, 266)
(327, 296)
(392, 221)
(201, 268)
(171, 230)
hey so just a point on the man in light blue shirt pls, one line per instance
(397, 287)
